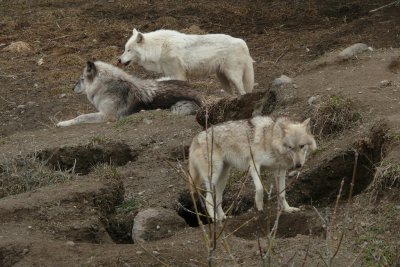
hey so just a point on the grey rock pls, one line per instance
(283, 79)
(154, 224)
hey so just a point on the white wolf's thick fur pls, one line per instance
(180, 56)
(248, 144)
(115, 93)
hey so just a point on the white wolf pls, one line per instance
(248, 144)
(115, 93)
(180, 56)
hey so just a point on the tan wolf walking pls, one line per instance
(248, 145)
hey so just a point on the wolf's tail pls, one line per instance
(248, 76)
(177, 95)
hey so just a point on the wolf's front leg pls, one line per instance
(280, 178)
(85, 118)
(254, 172)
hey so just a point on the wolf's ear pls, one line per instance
(91, 69)
(306, 124)
(139, 38)
(282, 126)
(134, 31)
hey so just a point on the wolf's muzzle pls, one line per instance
(298, 165)
(125, 64)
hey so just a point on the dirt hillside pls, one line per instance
(69, 196)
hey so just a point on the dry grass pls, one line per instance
(333, 114)
(27, 173)
(106, 171)
(387, 176)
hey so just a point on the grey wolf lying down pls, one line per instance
(115, 94)
(247, 145)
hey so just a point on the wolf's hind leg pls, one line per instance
(235, 78)
(213, 191)
(225, 83)
(219, 191)
(85, 118)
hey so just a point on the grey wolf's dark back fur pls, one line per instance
(131, 94)
(170, 92)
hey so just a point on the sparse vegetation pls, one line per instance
(376, 252)
(387, 175)
(129, 205)
(27, 173)
(98, 139)
(333, 114)
(106, 171)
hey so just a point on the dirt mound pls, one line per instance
(321, 182)
(81, 159)
(254, 225)
(239, 108)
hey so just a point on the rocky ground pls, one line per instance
(70, 196)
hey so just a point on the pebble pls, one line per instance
(147, 121)
(70, 243)
(283, 79)
(311, 101)
(40, 62)
(385, 83)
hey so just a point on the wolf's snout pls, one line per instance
(298, 165)
(120, 63)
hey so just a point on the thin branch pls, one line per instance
(358, 255)
(242, 225)
(282, 54)
(385, 6)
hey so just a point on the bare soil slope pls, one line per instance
(49, 217)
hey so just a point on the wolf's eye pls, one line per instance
(129, 50)
(302, 146)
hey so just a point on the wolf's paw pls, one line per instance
(63, 124)
(291, 209)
